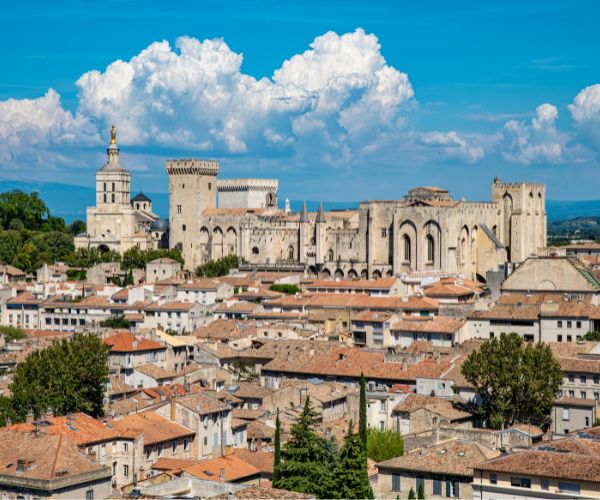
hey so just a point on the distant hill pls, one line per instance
(69, 201)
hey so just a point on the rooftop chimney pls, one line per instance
(21, 465)
(29, 417)
(222, 474)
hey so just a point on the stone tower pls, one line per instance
(320, 236)
(113, 182)
(523, 217)
(304, 231)
(192, 190)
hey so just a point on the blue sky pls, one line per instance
(400, 94)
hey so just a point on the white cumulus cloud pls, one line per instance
(534, 142)
(585, 112)
(453, 145)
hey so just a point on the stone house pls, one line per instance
(160, 269)
(443, 470)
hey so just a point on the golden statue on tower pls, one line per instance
(113, 135)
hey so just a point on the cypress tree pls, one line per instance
(277, 459)
(362, 422)
(411, 494)
(351, 478)
(420, 492)
(304, 465)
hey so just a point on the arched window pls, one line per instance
(330, 253)
(254, 250)
(104, 197)
(113, 186)
(430, 248)
(105, 186)
(406, 241)
(137, 205)
(290, 252)
(113, 197)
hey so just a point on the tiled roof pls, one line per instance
(154, 371)
(248, 413)
(509, 312)
(200, 284)
(454, 289)
(354, 301)
(117, 386)
(234, 469)
(372, 317)
(261, 493)
(156, 428)
(46, 456)
(455, 457)
(348, 362)
(202, 404)
(580, 365)
(548, 464)
(435, 324)
(124, 341)
(262, 460)
(25, 298)
(239, 307)
(173, 464)
(79, 428)
(248, 390)
(444, 407)
(170, 306)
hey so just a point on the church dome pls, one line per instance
(141, 197)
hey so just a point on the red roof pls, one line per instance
(124, 341)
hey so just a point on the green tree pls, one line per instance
(69, 376)
(77, 227)
(134, 258)
(55, 245)
(116, 322)
(592, 336)
(411, 494)
(286, 288)
(303, 468)
(11, 332)
(220, 267)
(383, 445)
(277, 454)
(362, 417)
(351, 478)
(29, 209)
(420, 492)
(517, 383)
(10, 244)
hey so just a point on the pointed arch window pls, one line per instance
(406, 248)
(430, 248)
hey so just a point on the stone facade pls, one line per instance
(117, 222)
(425, 230)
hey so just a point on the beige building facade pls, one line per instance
(427, 230)
(118, 222)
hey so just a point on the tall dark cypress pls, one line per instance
(362, 421)
(277, 459)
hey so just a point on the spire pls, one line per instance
(304, 213)
(113, 152)
(321, 213)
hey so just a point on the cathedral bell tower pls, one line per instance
(113, 182)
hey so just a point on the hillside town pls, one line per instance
(211, 370)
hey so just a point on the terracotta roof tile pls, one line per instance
(234, 469)
(47, 457)
(156, 428)
(125, 341)
(455, 457)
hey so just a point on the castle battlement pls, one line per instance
(248, 184)
(190, 166)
